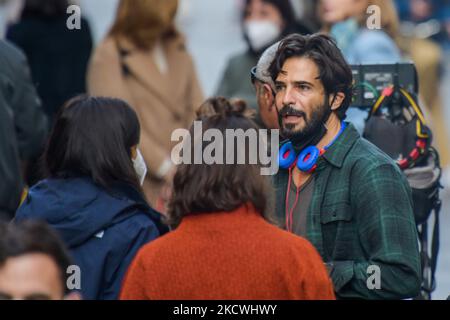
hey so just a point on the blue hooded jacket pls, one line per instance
(103, 230)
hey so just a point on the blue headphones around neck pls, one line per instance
(307, 159)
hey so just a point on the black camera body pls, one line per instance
(370, 79)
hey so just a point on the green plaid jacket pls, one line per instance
(361, 215)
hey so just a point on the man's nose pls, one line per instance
(288, 97)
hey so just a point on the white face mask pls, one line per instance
(261, 33)
(140, 167)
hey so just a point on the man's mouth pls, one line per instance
(291, 118)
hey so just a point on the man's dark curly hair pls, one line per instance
(334, 72)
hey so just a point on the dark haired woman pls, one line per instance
(223, 248)
(92, 195)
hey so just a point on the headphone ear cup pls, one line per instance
(308, 159)
(286, 156)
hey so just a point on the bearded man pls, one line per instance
(348, 198)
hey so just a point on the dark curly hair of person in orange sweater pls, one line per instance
(220, 187)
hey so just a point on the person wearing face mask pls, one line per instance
(143, 60)
(92, 195)
(264, 22)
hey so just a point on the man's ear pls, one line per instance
(336, 100)
(268, 95)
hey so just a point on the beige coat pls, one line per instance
(163, 102)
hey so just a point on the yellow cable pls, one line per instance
(419, 130)
(378, 104)
(380, 101)
(414, 105)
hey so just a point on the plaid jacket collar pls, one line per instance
(336, 154)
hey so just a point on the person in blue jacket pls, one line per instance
(93, 195)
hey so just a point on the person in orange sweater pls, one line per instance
(223, 246)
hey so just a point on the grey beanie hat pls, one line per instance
(262, 68)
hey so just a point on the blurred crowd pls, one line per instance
(47, 134)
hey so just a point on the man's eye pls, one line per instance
(279, 88)
(304, 87)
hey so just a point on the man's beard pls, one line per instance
(314, 129)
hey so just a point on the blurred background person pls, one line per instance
(143, 60)
(92, 195)
(264, 22)
(33, 263)
(425, 19)
(23, 126)
(58, 57)
(223, 247)
(345, 21)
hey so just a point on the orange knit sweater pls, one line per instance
(231, 256)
